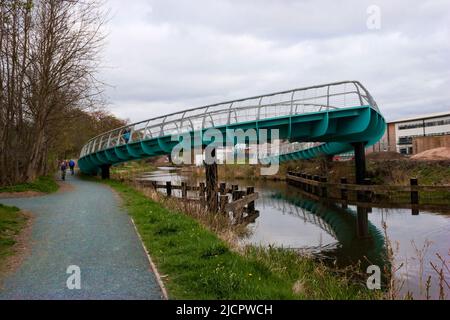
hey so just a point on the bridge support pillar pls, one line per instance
(105, 171)
(360, 162)
(211, 174)
(360, 174)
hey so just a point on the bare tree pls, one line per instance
(14, 39)
(48, 63)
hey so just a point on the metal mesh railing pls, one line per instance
(287, 103)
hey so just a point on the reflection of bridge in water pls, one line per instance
(339, 223)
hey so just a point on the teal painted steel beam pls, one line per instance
(336, 128)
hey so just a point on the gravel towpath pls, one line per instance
(85, 227)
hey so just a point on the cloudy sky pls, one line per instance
(167, 55)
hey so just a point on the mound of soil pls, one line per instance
(433, 154)
(379, 156)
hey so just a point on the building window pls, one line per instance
(403, 151)
(405, 140)
(428, 123)
(410, 126)
(437, 123)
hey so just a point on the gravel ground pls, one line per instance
(85, 227)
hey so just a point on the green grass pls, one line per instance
(11, 223)
(42, 184)
(199, 265)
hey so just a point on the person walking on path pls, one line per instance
(63, 168)
(72, 167)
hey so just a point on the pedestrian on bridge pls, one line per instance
(126, 135)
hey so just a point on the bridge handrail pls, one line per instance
(113, 137)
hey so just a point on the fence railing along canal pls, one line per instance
(363, 195)
(239, 203)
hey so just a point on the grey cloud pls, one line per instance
(164, 56)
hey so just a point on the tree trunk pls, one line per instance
(36, 154)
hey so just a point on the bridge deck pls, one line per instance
(332, 116)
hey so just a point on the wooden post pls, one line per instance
(309, 186)
(183, 190)
(223, 187)
(154, 184)
(298, 183)
(235, 192)
(344, 194)
(324, 192)
(235, 195)
(211, 182)
(238, 213)
(251, 205)
(316, 188)
(201, 193)
(169, 188)
(414, 196)
(223, 203)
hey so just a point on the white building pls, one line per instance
(404, 130)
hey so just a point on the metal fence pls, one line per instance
(287, 103)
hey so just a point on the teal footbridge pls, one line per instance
(315, 121)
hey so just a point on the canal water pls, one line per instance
(290, 220)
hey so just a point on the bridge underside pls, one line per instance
(336, 129)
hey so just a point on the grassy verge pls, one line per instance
(11, 223)
(199, 265)
(42, 184)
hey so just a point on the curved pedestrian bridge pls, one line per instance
(314, 121)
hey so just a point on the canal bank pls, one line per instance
(290, 220)
(197, 264)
